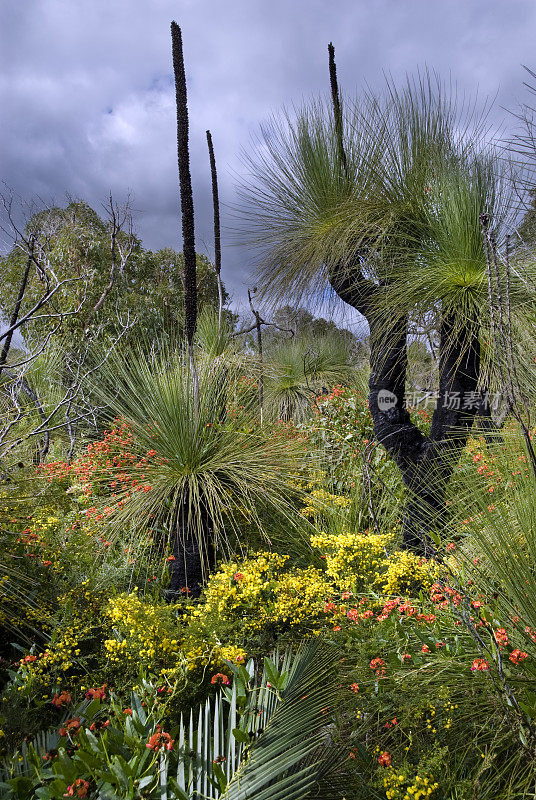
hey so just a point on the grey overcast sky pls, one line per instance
(87, 98)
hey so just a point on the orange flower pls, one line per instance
(354, 687)
(72, 726)
(517, 655)
(501, 637)
(480, 664)
(220, 678)
(96, 694)
(27, 660)
(384, 759)
(378, 665)
(61, 699)
(78, 789)
(238, 576)
(100, 725)
(160, 740)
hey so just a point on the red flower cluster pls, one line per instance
(516, 656)
(27, 660)
(501, 637)
(61, 699)
(378, 665)
(480, 664)
(77, 789)
(442, 595)
(71, 727)
(221, 679)
(96, 694)
(99, 725)
(388, 607)
(160, 740)
(384, 759)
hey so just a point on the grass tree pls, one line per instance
(298, 370)
(208, 473)
(381, 202)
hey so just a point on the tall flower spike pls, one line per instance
(337, 110)
(187, 204)
(217, 236)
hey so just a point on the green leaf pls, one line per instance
(241, 736)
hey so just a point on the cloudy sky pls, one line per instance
(87, 98)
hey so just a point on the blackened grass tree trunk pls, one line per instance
(425, 463)
(193, 551)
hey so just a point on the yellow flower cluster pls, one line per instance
(353, 560)
(80, 623)
(146, 632)
(207, 656)
(58, 658)
(407, 574)
(261, 590)
(359, 561)
(399, 787)
(45, 520)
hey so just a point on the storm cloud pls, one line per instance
(87, 98)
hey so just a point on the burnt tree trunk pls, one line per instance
(426, 463)
(194, 555)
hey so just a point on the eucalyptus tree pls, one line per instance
(380, 202)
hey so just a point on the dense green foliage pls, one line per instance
(147, 293)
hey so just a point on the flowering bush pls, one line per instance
(354, 560)
(262, 593)
(408, 574)
(361, 561)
